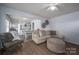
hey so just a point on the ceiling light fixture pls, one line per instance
(24, 18)
(52, 8)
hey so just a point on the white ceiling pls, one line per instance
(17, 19)
(39, 9)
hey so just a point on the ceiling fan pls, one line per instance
(53, 6)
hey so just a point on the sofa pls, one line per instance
(55, 40)
(40, 36)
(6, 41)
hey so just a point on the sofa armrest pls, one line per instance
(13, 43)
(35, 36)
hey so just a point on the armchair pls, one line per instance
(39, 36)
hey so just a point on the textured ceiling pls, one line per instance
(39, 9)
(17, 19)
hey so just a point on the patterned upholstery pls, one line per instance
(40, 36)
(7, 40)
(7, 37)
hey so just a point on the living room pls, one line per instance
(39, 29)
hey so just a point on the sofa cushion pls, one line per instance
(60, 35)
(7, 37)
(47, 32)
(13, 43)
(36, 32)
(52, 32)
(42, 33)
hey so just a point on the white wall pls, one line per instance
(49, 26)
(5, 10)
(69, 25)
(4, 23)
(37, 24)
